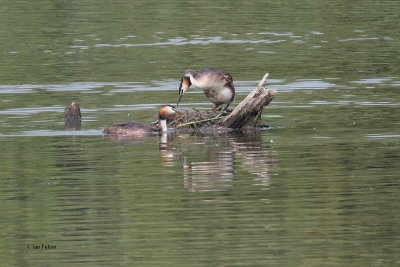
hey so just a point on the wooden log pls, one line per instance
(248, 112)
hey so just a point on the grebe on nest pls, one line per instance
(138, 129)
(216, 84)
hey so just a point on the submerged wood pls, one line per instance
(247, 115)
(72, 116)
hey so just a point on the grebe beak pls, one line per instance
(179, 97)
(185, 83)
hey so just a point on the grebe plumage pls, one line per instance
(216, 84)
(139, 129)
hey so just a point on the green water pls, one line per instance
(319, 189)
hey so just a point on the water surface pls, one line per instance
(321, 188)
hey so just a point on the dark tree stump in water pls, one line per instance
(72, 116)
(248, 112)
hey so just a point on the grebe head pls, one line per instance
(165, 113)
(185, 83)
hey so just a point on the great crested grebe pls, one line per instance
(138, 129)
(216, 84)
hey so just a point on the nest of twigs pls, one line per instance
(196, 119)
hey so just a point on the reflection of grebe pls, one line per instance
(138, 129)
(167, 156)
(216, 84)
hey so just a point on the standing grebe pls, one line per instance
(138, 129)
(216, 84)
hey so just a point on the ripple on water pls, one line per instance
(55, 133)
(18, 89)
(195, 41)
(382, 136)
(372, 80)
(313, 84)
(29, 111)
(370, 103)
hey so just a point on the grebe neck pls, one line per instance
(163, 126)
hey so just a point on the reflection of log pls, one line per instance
(248, 112)
(72, 116)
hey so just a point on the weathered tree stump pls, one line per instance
(72, 116)
(248, 112)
